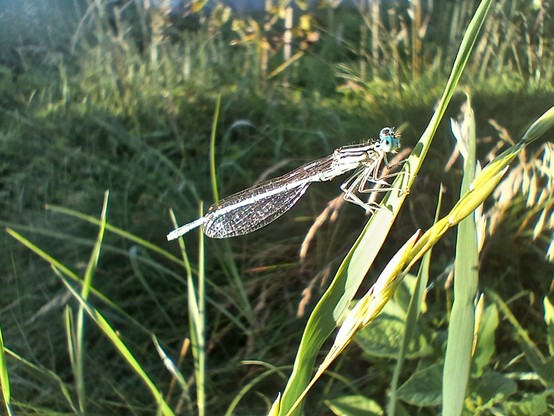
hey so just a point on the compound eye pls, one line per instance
(389, 140)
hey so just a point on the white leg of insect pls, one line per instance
(380, 179)
(353, 184)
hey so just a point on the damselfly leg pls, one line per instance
(368, 179)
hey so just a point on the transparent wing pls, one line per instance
(253, 215)
(255, 207)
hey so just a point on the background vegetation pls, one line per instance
(113, 96)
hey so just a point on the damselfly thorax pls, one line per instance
(255, 207)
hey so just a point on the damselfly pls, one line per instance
(255, 207)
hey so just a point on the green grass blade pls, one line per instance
(533, 354)
(352, 271)
(79, 353)
(461, 328)
(4, 377)
(72, 349)
(235, 275)
(72, 275)
(43, 373)
(57, 264)
(117, 231)
(249, 386)
(171, 367)
(197, 311)
(365, 311)
(196, 301)
(213, 171)
(120, 346)
(539, 127)
(95, 255)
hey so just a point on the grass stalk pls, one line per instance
(120, 346)
(213, 171)
(461, 327)
(196, 305)
(365, 311)
(4, 378)
(197, 316)
(235, 275)
(78, 332)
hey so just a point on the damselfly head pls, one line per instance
(389, 140)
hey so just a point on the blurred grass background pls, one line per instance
(120, 96)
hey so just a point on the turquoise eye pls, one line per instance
(390, 141)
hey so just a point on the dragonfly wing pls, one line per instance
(229, 218)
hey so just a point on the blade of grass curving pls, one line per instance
(533, 354)
(350, 274)
(54, 263)
(539, 127)
(247, 387)
(43, 373)
(236, 281)
(118, 231)
(4, 378)
(77, 333)
(171, 367)
(196, 300)
(213, 170)
(462, 319)
(82, 239)
(120, 346)
(365, 311)
(414, 310)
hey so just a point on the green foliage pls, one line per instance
(97, 96)
(354, 406)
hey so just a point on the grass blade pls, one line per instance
(534, 356)
(213, 172)
(76, 334)
(40, 372)
(4, 377)
(462, 320)
(365, 311)
(117, 231)
(120, 346)
(196, 301)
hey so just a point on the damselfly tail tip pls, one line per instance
(178, 232)
(173, 235)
